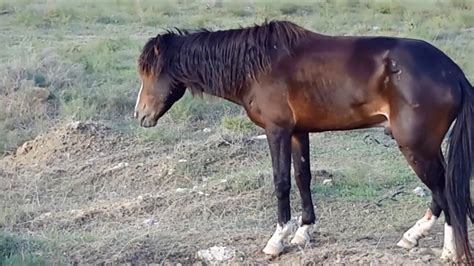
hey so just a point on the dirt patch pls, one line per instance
(100, 196)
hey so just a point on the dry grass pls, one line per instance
(110, 195)
(89, 194)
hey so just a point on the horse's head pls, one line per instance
(157, 92)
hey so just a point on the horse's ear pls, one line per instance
(156, 48)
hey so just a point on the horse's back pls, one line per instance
(350, 82)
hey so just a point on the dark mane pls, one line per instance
(219, 62)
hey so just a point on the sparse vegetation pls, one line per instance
(16, 250)
(76, 60)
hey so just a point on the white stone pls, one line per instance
(327, 181)
(260, 137)
(149, 221)
(182, 190)
(216, 254)
(419, 191)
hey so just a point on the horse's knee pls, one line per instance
(282, 189)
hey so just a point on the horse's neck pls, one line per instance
(231, 98)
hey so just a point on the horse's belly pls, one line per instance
(319, 118)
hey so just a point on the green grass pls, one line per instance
(86, 52)
(238, 124)
(18, 250)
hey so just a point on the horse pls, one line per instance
(292, 81)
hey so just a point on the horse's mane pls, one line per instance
(219, 62)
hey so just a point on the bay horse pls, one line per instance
(292, 81)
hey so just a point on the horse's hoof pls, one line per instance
(300, 240)
(273, 249)
(449, 248)
(301, 237)
(448, 255)
(405, 243)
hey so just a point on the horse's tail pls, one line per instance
(459, 170)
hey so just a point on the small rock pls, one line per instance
(424, 251)
(419, 191)
(25, 148)
(149, 221)
(327, 181)
(375, 28)
(45, 215)
(203, 194)
(260, 137)
(181, 190)
(207, 130)
(426, 258)
(216, 254)
(117, 167)
(182, 160)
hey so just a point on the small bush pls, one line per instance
(461, 4)
(15, 250)
(468, 19)
(247, 182)
(110, 20)
(104, 58)
(296, 9)
(79, 107)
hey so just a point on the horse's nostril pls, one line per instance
(142, 120)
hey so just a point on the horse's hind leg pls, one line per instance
(433, 169)
(419, 139)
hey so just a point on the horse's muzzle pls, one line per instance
(146, 120)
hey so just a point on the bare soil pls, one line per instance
(98, 196)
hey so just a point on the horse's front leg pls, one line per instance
(300, 153)
(279, 140)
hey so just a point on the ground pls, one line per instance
(99, 196)
(80, 182)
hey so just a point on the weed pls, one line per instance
(238, 124)
(16, 250)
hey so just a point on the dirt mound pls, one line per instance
(73, 160)
(61, 140)
(125, 209)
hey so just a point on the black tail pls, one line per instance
(459, 171)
